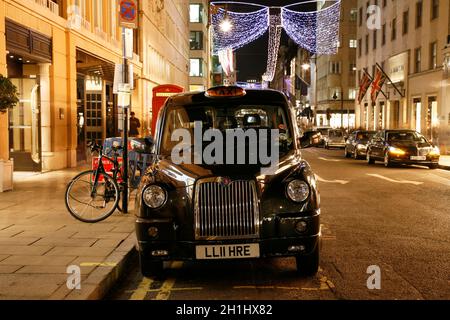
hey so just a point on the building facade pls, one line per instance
(410, 41)
(61, 55)
(335, 75)
(200, 45)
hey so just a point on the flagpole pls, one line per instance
(382, 70)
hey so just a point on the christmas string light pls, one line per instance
(317, 32)
(274, 45)
(241, 28)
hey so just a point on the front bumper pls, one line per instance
(277, 237)
(336, 144)
(430, 160)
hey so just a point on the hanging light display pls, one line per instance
(274, 45)
(232, 30)
(317, 32)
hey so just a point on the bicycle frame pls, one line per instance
(116, 170)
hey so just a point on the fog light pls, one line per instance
(296, 248)
(301, 226)
(160, 253)
(153, 232)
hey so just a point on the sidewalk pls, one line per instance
(444, 162)
(39, 239)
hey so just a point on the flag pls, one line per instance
(377, 83)
(364, 84)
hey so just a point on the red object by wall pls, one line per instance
(160, 96)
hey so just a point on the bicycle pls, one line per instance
(95, 191)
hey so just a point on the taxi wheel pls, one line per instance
(309, 265)
(149, 267)
(355, 155)
(387, 161)
(369, 159)
(347, 154)
(433, 166)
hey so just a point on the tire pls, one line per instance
(355, 155)
(387, 160)
(149, 267)
(369, 159)
(347, 154)
(308, 265)
(113, 190)
(433, 166)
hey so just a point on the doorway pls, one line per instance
(24, 127)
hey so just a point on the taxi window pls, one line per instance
(225, 117)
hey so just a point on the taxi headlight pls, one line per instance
(154, 196)
(361, 147)
(396, 151)
(297, 190)
(435, 152)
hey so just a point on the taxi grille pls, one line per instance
(226, 211)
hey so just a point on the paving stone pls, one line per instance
(107, 243)
(9, 269)
(24, 250)
(17, 241)
(64, 242)
(37, 260)
(52, 270)
(79, 251)
(89, 234)
(26, 286)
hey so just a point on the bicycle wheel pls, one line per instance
(92, 203)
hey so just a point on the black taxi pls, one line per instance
(211, 192)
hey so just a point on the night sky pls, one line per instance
(252, 58)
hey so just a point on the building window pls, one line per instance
(196, 68)
(360, 47)
(360, 17)
(417, 60)
(353, 43)
(419, 14)
(394, 29)
(375, 38)
(434, 9)
(405, 22)
(433, 55)
(353, 15)
(98, 14)
(351, 94)
(196, 40)
(335, 67)
(352, 67)
(367, 44)
(383, 34)
(195, 13)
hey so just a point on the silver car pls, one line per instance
(335, 139)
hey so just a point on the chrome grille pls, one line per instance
(226, 211)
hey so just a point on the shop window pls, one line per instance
(196, 40)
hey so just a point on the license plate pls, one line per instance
(234, 251)
(418, 158)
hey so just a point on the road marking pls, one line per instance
(416, 183)
(167, 286)
(142, 289)
(330, 160)
(343, 182)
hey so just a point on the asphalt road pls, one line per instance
(397, 219)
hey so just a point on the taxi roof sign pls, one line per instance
(225, 92)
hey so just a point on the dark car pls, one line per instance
(311, 139)
(356, 144)
(227, 210)
(402, 147)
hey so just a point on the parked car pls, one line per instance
(323, 135)
(225, 210)
(335, 139)
(356, 144)
(402, 147)
(311, 139)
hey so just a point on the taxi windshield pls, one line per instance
(406, 137)
(227, 117)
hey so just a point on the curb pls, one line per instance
(98, 284)
(444, 167)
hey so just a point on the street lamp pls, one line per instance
(306, 66)
(226, 25)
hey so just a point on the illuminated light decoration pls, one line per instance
(226, 59)
(316, 31)
(274, 45)
(243, 27)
